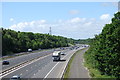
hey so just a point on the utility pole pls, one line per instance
(50, 32)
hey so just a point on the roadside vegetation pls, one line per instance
(103, 57)
(15, 42)
(84, 41)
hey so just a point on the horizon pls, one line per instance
(49, 34)
(69, 19)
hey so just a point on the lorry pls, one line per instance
(56, 55)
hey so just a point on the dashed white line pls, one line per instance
(24, 65)
(53, 68)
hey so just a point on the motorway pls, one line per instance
(44, 67)
(17, 60)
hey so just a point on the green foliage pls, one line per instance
(14, 42)
(84, 41)
(104, 53)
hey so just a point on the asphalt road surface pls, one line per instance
(44, 67)
(16, 60)
(77, 69)
(19, 59)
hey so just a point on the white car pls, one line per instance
(29, 50)
(16, 77)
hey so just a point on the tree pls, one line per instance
(104, 53)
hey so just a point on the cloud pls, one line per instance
(11, 19)
(34, 26)
(88, 23)
(110, 4)
(77, 19)
(78, 28)
(74, 12)
(104, 16)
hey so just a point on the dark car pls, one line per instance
(16, 77)
(5, 63)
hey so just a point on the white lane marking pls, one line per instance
(63, 68)
(24, 66)
(69, 59)
(53, 68)
(26, 70)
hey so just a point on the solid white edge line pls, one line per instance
(53, 68)
(63, 68)
(24, 66)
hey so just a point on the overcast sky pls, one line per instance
(78, 20)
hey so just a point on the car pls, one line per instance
(5, 63)
(16, 77)
(39, 49)
(29, 50)
(62, 48)
(62, 53)
(71, 48)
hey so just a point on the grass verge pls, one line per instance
(66, 74)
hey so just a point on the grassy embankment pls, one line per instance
(93, 72)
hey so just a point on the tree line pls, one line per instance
(84, 41)
(104, 53)
(15, 42)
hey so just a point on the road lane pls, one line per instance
(27, 71)
(16, 60)
(60, 67)
(41, 67)
(55, 69)
(31, 69)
